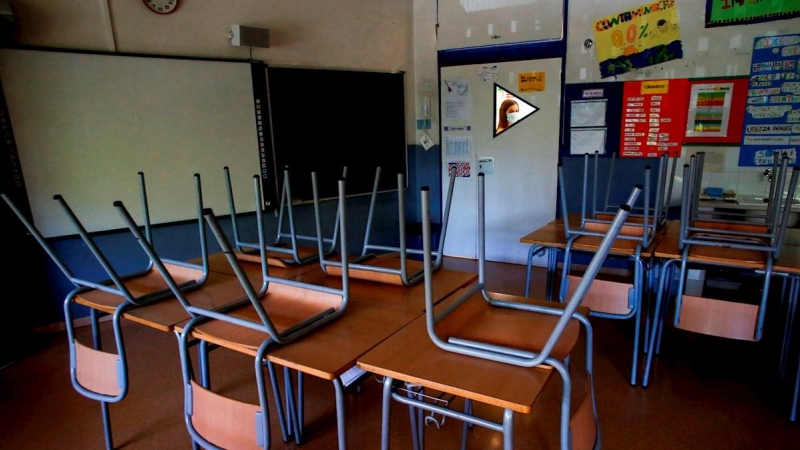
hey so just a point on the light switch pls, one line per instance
(486, 164)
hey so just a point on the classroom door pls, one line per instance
(519, 162)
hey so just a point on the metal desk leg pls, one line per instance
(532, 252)
(340, 424)
(385, 404)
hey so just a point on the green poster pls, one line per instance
(736, 12)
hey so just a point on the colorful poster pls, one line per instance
(653, 117)
(709, 109)
(772, 116)
(736, 12)
(643, 36)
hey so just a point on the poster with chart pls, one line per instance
(709, 109)
(772, 115)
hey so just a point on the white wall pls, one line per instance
(334, 34)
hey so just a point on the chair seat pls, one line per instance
(147, 283)
(278, 258)
(385, 261)
(477, 320)
(286, 306)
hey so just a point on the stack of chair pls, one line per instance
(279, 313)
(391, 264)
(289, 247)
(619, 298)
(746, 244)
(96, 373)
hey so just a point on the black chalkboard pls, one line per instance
(323, 120)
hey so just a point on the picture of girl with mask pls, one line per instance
(508, 114)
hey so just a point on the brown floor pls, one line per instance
(706, 394)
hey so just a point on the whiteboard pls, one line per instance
(86, 124)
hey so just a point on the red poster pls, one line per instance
(653, 117)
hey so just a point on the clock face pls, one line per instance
(161, 6)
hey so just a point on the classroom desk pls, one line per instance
(547, 239)
(552, 237)
(668, 254)
(374, 312)
(411, 356)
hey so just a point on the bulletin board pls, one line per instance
(716, 111)
(772, 118)
(654, 117)
(592, 118)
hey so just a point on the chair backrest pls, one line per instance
(639, 227)
(496, 352)
(766, 234)
(286, 243)
(384, 273)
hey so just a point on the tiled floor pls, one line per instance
(706, 394)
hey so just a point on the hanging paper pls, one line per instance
(737, 12)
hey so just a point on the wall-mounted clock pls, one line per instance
(161, 6)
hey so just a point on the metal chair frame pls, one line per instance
(200, 315)
(115, 284)
(285, 243)
(649, 221)
(362, 263)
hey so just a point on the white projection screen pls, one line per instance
(87, 124)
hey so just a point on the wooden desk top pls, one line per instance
(332, 350)
(410, 355)
(553, 235)
(218, 290)
(788, 261)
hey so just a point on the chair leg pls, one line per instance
(340, 418)
(466, 425)
(285, 431)
(107, 426)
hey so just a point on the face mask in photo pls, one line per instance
(512, 117)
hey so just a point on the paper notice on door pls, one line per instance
(457, 99)
(458, 145)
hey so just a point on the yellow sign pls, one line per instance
(642, 36)
(531, 82)
(655, 87)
